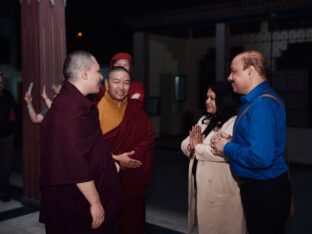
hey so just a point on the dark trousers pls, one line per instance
(132, 215)
(266, 204)
(6, 158)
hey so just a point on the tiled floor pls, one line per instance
(17, 219)
(25, 224)
(166, 198)
(28, 224)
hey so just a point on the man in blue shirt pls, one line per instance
(257, 148)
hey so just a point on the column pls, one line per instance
(43, 47)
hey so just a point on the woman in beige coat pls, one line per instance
(214, 196)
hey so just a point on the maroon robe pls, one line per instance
(73, 150)
(135, 132)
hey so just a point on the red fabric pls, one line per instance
(73, 151)
(134, 133)
(137, 87)
(121, 55)
(132, 216)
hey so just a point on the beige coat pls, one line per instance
(219, 209)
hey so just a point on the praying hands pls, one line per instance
(195, 138)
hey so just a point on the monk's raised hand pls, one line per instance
(135, 96)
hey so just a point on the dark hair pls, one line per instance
(227, 103)
(117, 68)
(76, 61)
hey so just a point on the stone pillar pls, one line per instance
(43, 47)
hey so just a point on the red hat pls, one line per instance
(121, 55)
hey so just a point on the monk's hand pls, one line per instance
(125, 160)
(118, 167)
(98, 214)
(135, 96)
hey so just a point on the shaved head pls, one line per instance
(77, 61)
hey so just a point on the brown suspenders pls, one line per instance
(263, 95)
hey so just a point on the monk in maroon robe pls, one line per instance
(79, 180)
(130, 137)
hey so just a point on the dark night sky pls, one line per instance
(104, 28)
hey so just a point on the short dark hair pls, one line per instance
(76, 61)
(117, 68)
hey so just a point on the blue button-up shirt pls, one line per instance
(257, 149)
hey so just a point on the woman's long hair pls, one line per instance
(227, 104)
